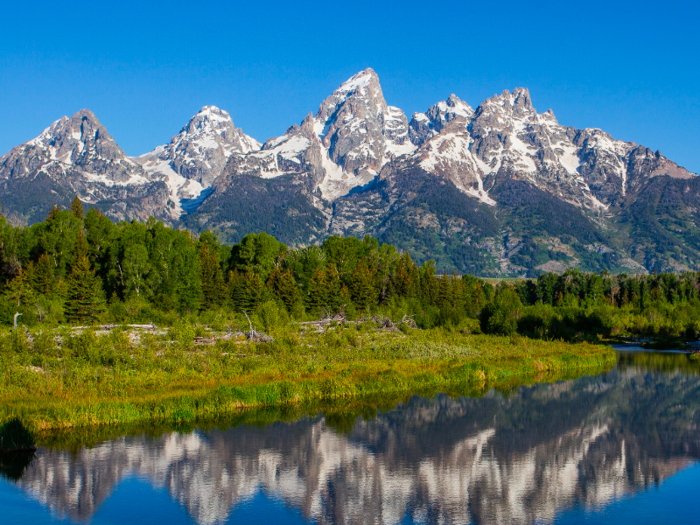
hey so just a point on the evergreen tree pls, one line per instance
(81, 245)
(317, 296)
(19, 291)
(85, 298)
(213, 288)
(76, 209)
(53, 212)
(405, 278)
(43, 279)
(284, 287)
(246, 290)
(336, 297)
(362, 288)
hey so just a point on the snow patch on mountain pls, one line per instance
(179, 187)
(358, 81)
(196, 156)
(336, 182)
(449, 155)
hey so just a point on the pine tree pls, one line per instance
(213, 289)
(405, 277)
(53, 212)
(284, 287)
(246, 290)
(43, 279)
(81, 245)
(362, 288)
(19, 290)
(85, 298)
(335, 298)
(317, 296)
(76, 209)
(235, 287)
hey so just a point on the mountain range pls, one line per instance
(500, 190)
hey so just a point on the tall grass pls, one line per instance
(93, 379)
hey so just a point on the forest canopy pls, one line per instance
(77, 267)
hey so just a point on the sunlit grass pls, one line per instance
(92, 380)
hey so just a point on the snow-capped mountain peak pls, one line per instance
(424, 126)
(196, 156)
(79, 143)
(203, 146)
(450, 157)
(208, 124)
(358, 81)
(359, 130)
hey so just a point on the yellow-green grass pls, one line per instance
(91, 381)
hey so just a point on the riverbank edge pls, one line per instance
(369, 384)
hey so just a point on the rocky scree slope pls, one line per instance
(497, 190)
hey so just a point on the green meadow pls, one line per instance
(59, 379)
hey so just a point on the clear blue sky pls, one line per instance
(630, 68)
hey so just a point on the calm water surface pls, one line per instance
(614, 448)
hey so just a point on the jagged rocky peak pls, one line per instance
(500, 111)
(200, 151)
(359, 130)
(214, 123)
(353, 134)
(298, 151)
(426, 125)
(79, 143)
(518, 103)
(508, 132)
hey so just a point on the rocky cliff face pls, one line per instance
(500, 190)
(353, 134)
(76, 156)
(200, 151)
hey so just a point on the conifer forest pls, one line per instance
(81, 268)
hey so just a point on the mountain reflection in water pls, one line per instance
(520, 458)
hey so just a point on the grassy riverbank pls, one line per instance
(58, 379)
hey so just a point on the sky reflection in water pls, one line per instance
(603, 449)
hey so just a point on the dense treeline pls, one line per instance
(78, 267)
(575, 304)
(81, 268)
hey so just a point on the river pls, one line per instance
(618, 447)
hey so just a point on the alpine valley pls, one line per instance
(500, 190)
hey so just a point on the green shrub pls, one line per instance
(183, 333)
(272, 316)
(536, 321)
(501, 314)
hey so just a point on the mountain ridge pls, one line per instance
(359, 166)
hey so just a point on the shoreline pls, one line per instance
(103, 380)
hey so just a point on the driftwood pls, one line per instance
(383, 323)
(387, 324)
(338, 318)
(230, 334)
(253, 335)
(150, 326)
(408, 321)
